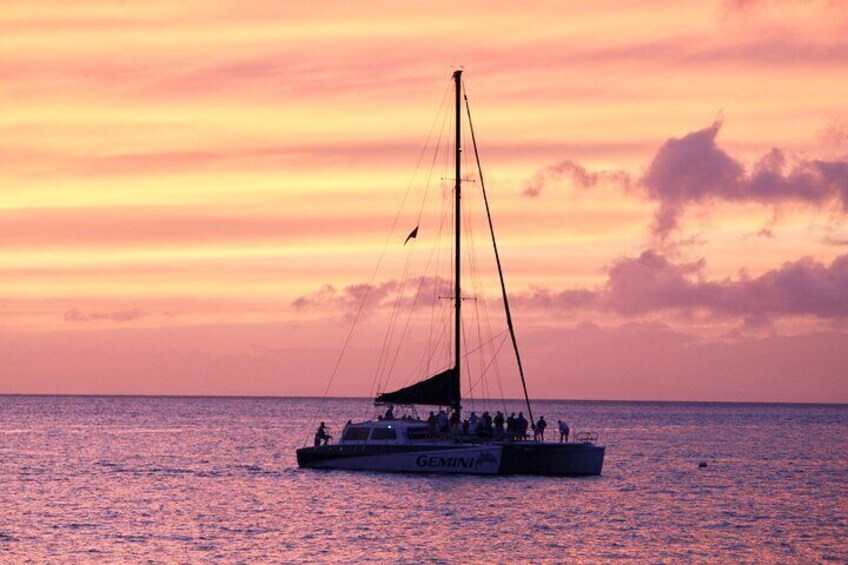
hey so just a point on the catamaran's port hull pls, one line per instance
(519, 458)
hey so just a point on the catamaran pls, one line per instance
(408, 444)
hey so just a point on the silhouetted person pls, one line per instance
(321, 436)
(563, 430)
(511, 426)
(521, 424)
(432, 425)
(473, 420)
(485, 428)
(390, 414)
(442, 420)
(540, 428)
(499, 424)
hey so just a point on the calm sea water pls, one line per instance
(201, 480)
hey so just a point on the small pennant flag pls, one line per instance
(412, 235)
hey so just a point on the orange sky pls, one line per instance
(174, 176)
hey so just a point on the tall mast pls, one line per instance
(457, 333)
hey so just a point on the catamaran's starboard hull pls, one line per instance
(480, 459)
(520, 458)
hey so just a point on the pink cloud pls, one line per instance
(129, 315)
(653, 283)
(578, 174)
(693, 169)
(415, 292)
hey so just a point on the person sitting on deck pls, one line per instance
(321, 435)
(521, 424)
(390, 414)
(539, 430)
(563, 430)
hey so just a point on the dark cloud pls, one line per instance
(652, 283)
(129, 315)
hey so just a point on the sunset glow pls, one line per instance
(180, 180)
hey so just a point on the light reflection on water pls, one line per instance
(117, 480)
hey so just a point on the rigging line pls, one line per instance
(377, 380)
(377, 267)
(389, 336)
(427, 352)
(485, 310)
(477, 285)
(418, 293)
(498, 260)
(489, 366)
(470, 250)
(433, 306)
(466, 357)
(421, 281)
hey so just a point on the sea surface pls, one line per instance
(214, 480)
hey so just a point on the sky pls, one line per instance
(194, 195)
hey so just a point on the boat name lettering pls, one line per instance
(451, 462)
(455, 461)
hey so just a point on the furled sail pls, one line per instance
(441, 389)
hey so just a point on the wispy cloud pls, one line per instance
(128, 315)
(578, 175)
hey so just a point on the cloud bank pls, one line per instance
(653, 283)
(694, 169)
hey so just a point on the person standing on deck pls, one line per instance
(432, 425)
(540, 428)
(499, 424)
(321, 436)
(473, 420)
(442, 420)
(521, 423)
(511, 426)
(563, 430)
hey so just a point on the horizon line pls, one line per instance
(312, 397)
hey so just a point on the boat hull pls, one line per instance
(477, 460)
(519, 458)
(554, 459)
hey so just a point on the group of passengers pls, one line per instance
(485, 427)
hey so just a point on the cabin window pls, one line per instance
(355, 434)
(416, 433)
(383, 433)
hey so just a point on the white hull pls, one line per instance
(477, 460)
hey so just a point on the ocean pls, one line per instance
(214, 480)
